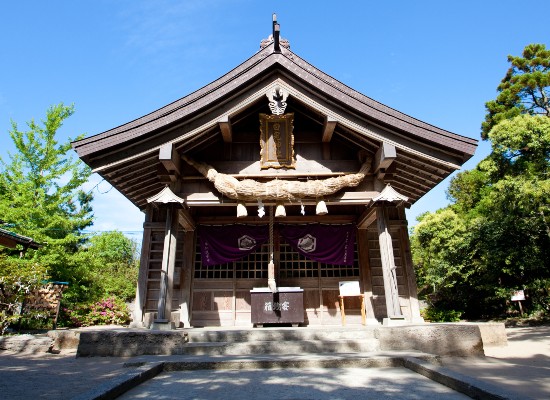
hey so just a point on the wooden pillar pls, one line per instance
(167, 273)
(187, 271)
(408, 269)
(388, 264)
(363, 249)
(141, 290)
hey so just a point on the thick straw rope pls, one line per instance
(277, 189)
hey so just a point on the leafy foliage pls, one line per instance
(40, 192)
(523, 90)
(495, 236)
(433, 314)
(107, 311)
(41, 197)
(111, 262)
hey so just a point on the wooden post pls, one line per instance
(143, 267)
(342, 310)
(188, 252)
(409, 269)
(167, 272)
(388, 264)
(363, 249)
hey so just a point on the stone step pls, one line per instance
(441, 339)
(282, 347)
(280, 334)
(28, 344)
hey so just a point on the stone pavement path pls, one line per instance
(304, 383)
(523, 366)
(52, 376)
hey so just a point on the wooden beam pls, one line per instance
(194, 199)
(384, 157)
(122, 174)
(147, 190)
(251, 169)
(333, 219)
(387, 173)
(170, 158)
(4, 241)
(328, 129)
(225, 128)
(139, 184)
(125, 180)
(186, 220)
(367, 218)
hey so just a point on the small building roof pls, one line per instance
(11, 240)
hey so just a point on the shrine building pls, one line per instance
(275, 194)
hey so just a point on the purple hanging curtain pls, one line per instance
(221, 244)
(331, 244)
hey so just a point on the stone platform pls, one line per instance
(453, 339)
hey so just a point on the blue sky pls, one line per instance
(118, 60)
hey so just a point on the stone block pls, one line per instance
(64, 339)
(440, 339)
(493, 334)
(130, 343)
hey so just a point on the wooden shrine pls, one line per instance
(274, 143)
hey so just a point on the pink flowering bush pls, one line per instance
(107, 311)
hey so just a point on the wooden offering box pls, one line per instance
(286, 306)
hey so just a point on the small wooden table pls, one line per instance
(343, 312)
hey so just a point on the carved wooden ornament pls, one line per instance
(277, 141)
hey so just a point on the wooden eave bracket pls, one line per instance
(171, 160)
(186, 220)
(328, 129)
(367, 218)
(225, 128)
(383, 159)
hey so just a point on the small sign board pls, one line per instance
(277, 141)
(518, 295)
(349, 288)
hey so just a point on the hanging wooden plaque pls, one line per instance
(277, 141)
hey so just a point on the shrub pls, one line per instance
(108, 311)
(434, 314)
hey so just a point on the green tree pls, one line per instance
(41, 197)
(111, 259)
(109, 276)
(495, 236)
(523, 90)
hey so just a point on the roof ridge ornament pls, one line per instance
(277, 99)
(275, 38)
